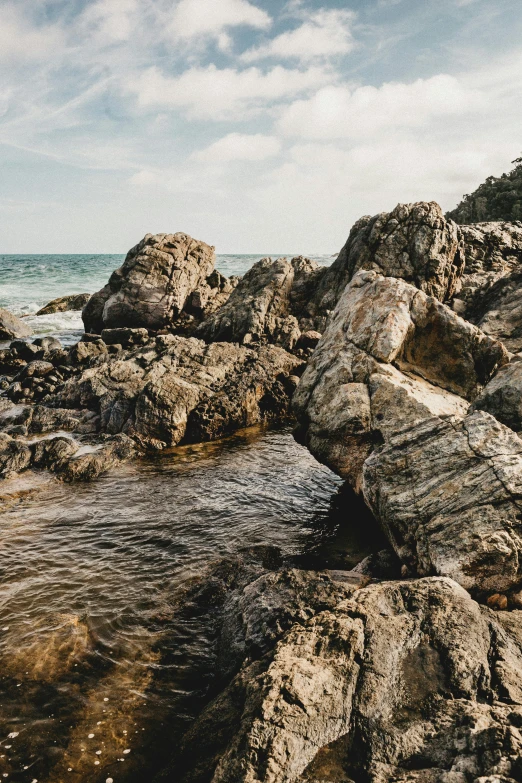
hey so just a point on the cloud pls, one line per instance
(336, 112)
(21, 41)
(210, 18)
(239, 146)
(112, 20)
(223, 94)
(325, 34)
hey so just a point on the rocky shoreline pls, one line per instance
(401, 366)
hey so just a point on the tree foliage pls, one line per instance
(498, 198)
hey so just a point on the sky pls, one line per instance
(258, 127)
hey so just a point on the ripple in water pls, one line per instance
(98, 667)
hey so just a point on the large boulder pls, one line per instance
(391, 356)
(403, 681)
(414, 242)
(64, 303)
(12, 327)
(157, 280)
(448, 494)
(270, 304)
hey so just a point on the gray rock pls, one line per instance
(90, 461)
(401, 681)
(151, 289)
(63, 303)
(502, 397)
(125, 337)
(15, 456)
(414, 242)
(448, 494)
(12, 327)
(179, 388)
(390, 356)
(266, 305)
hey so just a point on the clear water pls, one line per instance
(28, 282)
(90, 578)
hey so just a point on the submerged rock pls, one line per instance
(12, 327)
(64, 303)
(158, 278)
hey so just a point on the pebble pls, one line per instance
(90, 736)
(497, 601)
(13, 734)
(98, 752)
(127, 750)
(109, 780)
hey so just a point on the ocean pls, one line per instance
(28, 282)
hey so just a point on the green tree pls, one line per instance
(498, 198)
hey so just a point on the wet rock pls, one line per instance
(390, 357)
(84, 352)
(447, 493)
(151, 288)
(413, 242)
(63, 303)
(11, 326)
(36, 369)
(400, 681)
(15, 456)
(53, 453)
(91, 461)
(24, 350)
(47, 344)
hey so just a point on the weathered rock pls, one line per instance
(63, 303)
(493, 251)
(177, 388)
(266, 304)
(124, 337)
(151, 289)
(400, 681)
(15, 456)
(12, 327)
(390, 356)
(90, 461)
(502, 397)
(448, 493)
(414, 242)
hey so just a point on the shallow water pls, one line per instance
(91, 642)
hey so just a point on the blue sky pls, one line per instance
(265, 127)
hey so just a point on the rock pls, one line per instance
(177, 388)
(497, 601)
(265, 305)
(390, 356)
(308, 340)
(447, 493)
(403, 681)
(12, 327)
(36, 369)
(84, 352)
(24, 350)
(47, 343)
(124, 337)
(63, 303)
(414, 242)
(493, 251)
(91, 461)
(151, 289)
(15, 456)
(502, 397)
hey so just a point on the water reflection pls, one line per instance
(103, 658)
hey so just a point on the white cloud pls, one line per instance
(324, 34)
(223, 94)
(112, 20)
(200, 18)
(338, 112)
(21, 41)
(239, 146)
